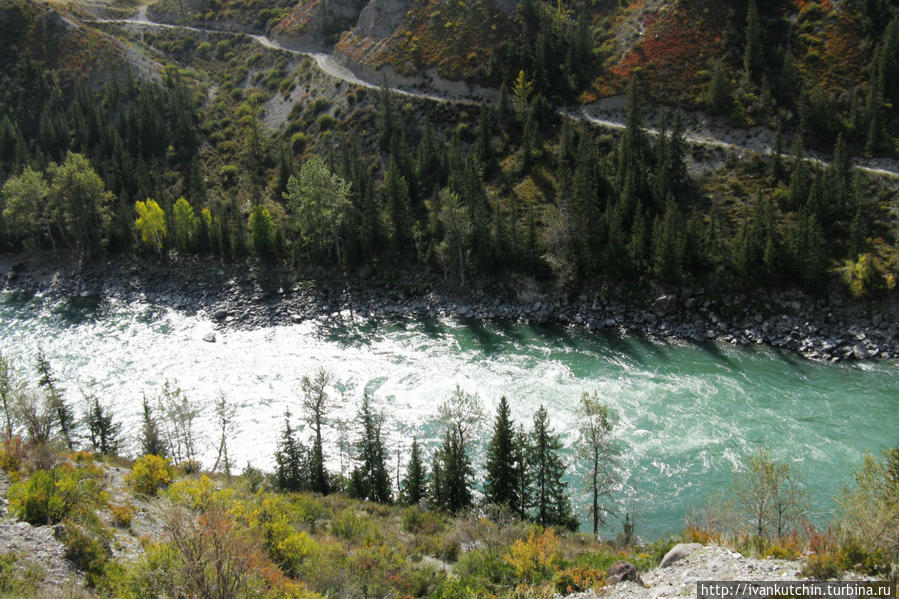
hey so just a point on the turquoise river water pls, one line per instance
(685, 414)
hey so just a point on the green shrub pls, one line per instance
(16, 580)
(122, 515)
(823, 566)
(575, 580)
(228, 173)
(298, 142)
(320, 105)
(88, 553)
(326, 122)
(485, 565)
(421, 522)
(49, 496)
(149, 473)
(348, 525)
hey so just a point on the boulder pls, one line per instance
(678, 552)
(621, 571)
(664, 305)
(860, 352)
(209, 337)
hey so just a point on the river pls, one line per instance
(685, 414)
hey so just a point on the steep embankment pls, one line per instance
(61, 41)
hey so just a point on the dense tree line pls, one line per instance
(525, 472)
(524, 191)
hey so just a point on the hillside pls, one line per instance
(619, 191)
(111, 528)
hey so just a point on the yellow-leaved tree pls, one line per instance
(150, 224)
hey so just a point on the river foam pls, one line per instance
(686, 414)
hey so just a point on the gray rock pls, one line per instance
(209, 337)
(664, 305)
(621, 571)
(678, 552)
(860, 352)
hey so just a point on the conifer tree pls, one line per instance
(500, 484)
(520, 453)
(549, 497)
(291, 465)
(65, 419)
(452, 474)
(152, 442)
(103, 432)
(753, 54)
(415, 483)
(369, 479)
(316, 404)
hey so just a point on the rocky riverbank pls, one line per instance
(697, 562)
(248, 295)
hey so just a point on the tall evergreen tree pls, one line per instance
(102, 430)
(369, 479)
(500, 484)
(452, 474)
(291, 466)
(753, 53)
(152, 442)
(549, 493)
(65, 418)
(316, 404)
(415, 483)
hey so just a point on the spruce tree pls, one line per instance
(152, 442)
(291, 468)
(65, 418)
(104, 433)
(549, 498)
(520, 452)
(415, 483)
(500, 487)
(369, 479)
(753, 54)
(316, 404)
(452, 474)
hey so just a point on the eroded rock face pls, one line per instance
(381, 18)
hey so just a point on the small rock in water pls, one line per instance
(209, 337)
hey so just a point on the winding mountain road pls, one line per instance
(331, 67)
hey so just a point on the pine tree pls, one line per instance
(387, 127)
(65, 419)
(452, 473)
(520, 453)
(291, 465)
(152, 442)
(500, 484)
(316, 404)
(103, 432)
(753, 54)
(369, 479)
(415, 483)
(549, 497)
